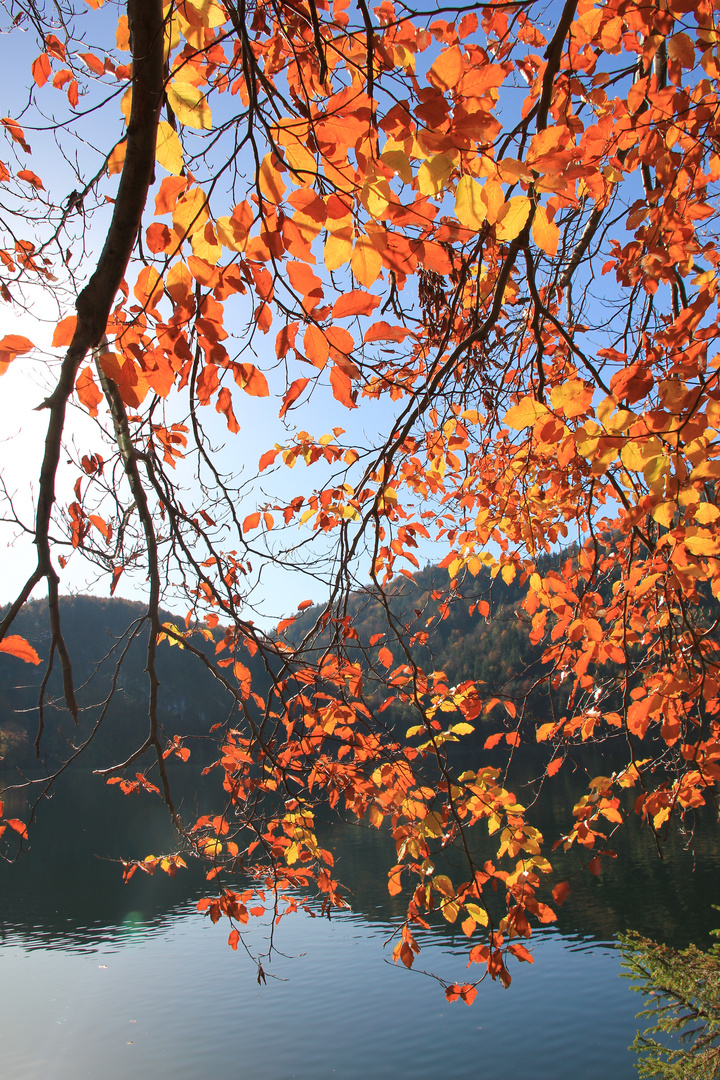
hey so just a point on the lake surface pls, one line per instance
(101, 979)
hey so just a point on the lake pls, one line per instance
(102, 979)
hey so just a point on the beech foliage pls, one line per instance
(470, 257)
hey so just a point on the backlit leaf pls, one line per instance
(189, 105)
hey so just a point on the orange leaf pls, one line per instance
(10, 347)
(316, 346)
(305, 604)
(224, 405)
(251, 521)
(554, 766)
(561, 892)
(447, 69)
(356, 302)
(16, 131)
(88, 391)
(267, 459)
(394, 883)
(244, 677)
(252, 381)
(521, 952)
(385, 657)
(93, 62)
(18, 826)
(493, 740)
(545, 232)
(292, 395)
(18, 646)
(41, 69)
(342, 387)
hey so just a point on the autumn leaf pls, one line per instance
(512, 217)
(524, 414)
(18, 646)
(189, 105)
(295, 390)
(545, 232)
(168, 150)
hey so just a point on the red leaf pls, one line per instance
(356, 302)
(292, 395)
(88, 392)
(93, 62)
(224, 405)
(521, 952)
(252, 381)
(342, 387)
(468, 993)
(244, 677)
(267, 459)
(382, 331)
(561, 892)
(41, 69)
(63, 332)
(18, 646)
(554, 766)
(16, 132)
(594, 866)
(385, 657)
(493, 740)
(116, 577)
(18, 826)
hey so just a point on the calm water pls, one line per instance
(101, 979)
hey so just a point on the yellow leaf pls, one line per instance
(636, 453)
(512, 217)
(338, 249)
(470, 207)
(571, 397)
(230, 234)
(366, 262)
(190, 212)
(706, 513)
(702, 545)
(524, 414)
(189, 105)
(462, 729)
(450, 912)
(376, 197)
(434, 174)
(477, 913)
(545, 232)
(168, 150)
(664, 513)
(442, 884)
(209, 11)
(398, 160)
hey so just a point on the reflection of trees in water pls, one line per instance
(69, 890)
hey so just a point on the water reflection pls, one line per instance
(116, 980)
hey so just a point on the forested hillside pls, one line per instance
(479, 636)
